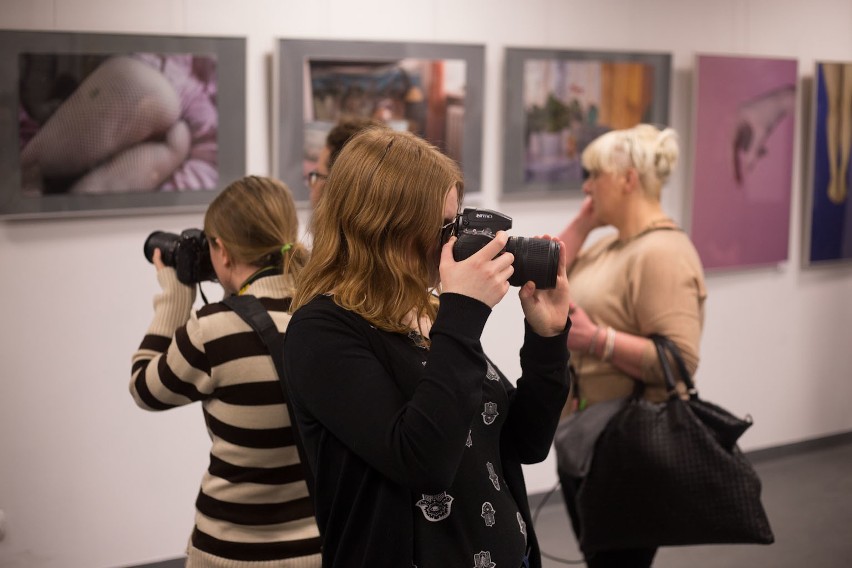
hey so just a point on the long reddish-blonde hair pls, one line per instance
(376, 231)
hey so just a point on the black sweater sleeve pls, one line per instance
(541, 392)
(342, 386)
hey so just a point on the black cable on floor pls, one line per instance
(535, 519)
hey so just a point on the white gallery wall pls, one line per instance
(88, 480)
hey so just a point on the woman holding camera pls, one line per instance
(645, 278)
(415, 439)
(253, 509)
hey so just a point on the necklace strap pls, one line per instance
(654, 225)
(260, 273)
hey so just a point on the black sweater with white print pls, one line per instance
(417, 453)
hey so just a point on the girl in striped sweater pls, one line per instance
(253, 509)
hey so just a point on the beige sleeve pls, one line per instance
(173, 306)
(668, 296)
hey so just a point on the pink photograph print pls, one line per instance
(742, 174)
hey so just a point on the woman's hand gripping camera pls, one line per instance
(484, 276)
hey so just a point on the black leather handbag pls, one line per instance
(671, 473)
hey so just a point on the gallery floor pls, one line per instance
(807, 492)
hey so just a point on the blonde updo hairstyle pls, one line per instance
(255, 217)
(652, 152)
(376, 230)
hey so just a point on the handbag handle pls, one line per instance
(663, 344)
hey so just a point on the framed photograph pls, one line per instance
(744, 127)
(557, 102)
(433, 90)
(829, 206)
(97, 124)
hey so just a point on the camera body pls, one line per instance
(535, 259)
(188, 253)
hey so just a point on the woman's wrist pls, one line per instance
(592, 349)
(602, 343)
(173, 305)
(609, 345)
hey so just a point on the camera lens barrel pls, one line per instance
(187, 253)
(166, 242)
(535, 259)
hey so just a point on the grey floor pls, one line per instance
(807, 496)
(807, 493)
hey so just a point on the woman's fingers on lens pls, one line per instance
(495, 245)
(157, 259)
(506, 273)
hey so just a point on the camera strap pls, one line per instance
(252, 311)
(201, 291)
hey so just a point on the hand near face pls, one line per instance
(483, 276)
(586, 217)
(547, 310)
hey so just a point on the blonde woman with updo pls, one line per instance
(645, 278)
(253, 509)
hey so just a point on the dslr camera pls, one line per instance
(535, 259)
(187, 253)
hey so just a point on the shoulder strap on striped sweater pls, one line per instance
(252, 311)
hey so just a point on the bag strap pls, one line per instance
(252, 311)
(685, 375)
(663, 346)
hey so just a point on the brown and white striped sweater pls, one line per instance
(253, 504)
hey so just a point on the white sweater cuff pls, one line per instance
(173, 306)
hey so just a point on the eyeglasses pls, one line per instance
(591, 174)
(313, 176)
(448, 229)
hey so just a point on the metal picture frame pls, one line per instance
(558, 101)
(113, 124)
(828, 207)
(435, 90)
(743, 154)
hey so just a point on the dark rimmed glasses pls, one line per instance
(313, 176)
(448, 229)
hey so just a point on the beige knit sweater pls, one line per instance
(652, 283)
(253, 508)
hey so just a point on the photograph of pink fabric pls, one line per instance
(141, 122)
(118, 124)
(743, 166)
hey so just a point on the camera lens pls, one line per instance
(535, 259)
(166, 242)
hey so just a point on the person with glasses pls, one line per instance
(414, 437)
(334, 142)
(253, 509)
(644, 278)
